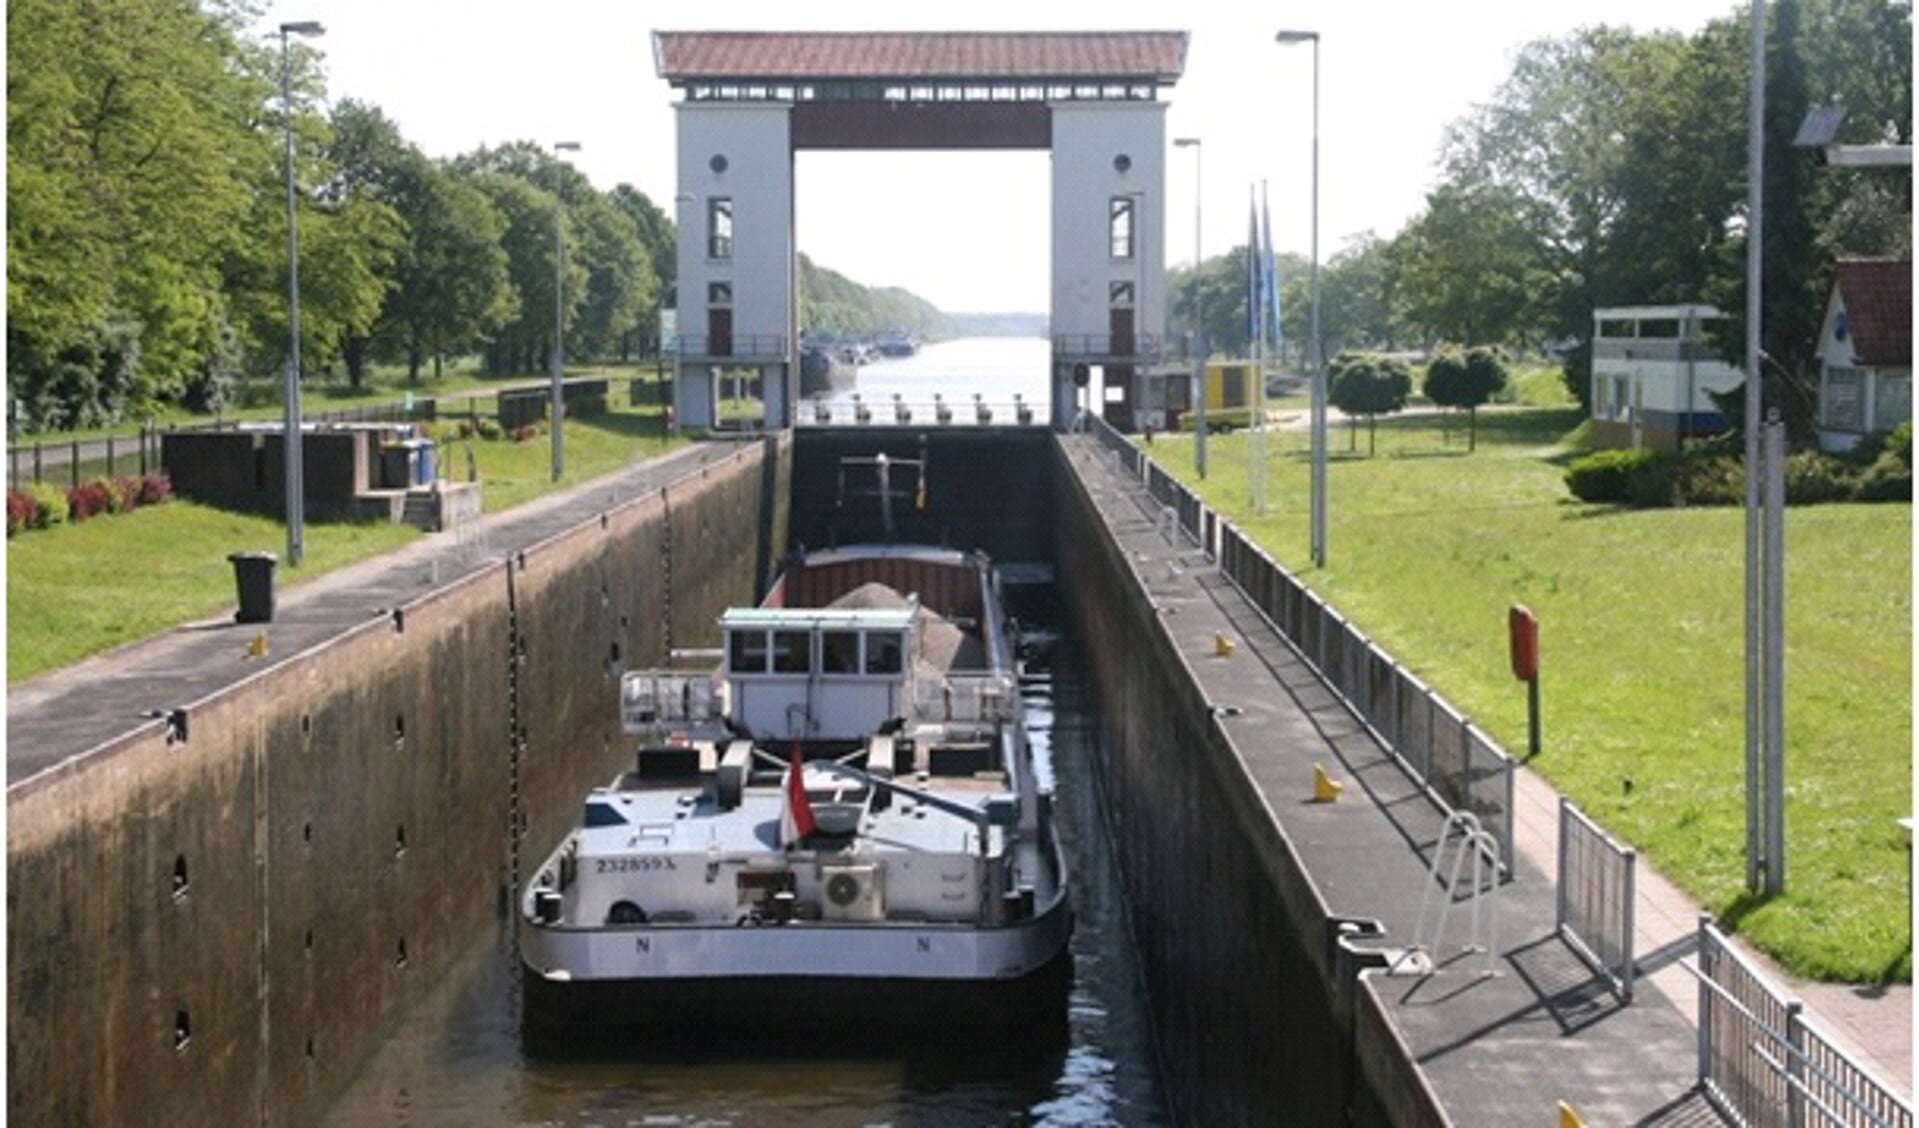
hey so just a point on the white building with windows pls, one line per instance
(750, 100)
(1652, 374)
(1865, 352)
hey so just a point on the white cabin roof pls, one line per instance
(821, 618)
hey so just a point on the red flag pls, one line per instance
(796, 821)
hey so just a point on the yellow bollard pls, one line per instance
(1222, 646)
(1326, 789)
(1568, 1118)
(257, 647)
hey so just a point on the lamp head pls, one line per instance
(1288, 38)
(1185, 142)
(566, 146)
(302, 27)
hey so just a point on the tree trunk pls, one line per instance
(1472, 429)
(1372, 435)
(354, 349)
(413, 362)
(1352, 435)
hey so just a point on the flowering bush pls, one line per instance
(20, 511)
(154, 489)
(525, 431)
(90, 499)
(47, 504)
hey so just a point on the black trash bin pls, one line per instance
(253, 575)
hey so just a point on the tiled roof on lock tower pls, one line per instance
(693, 56)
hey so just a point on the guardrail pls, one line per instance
(1762, 1062)
(900, 412)
(737, 346)
(1454, 760)
(1594, 897)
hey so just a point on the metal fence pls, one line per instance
(1594, 911)
(1457, 763)
(1764, 1064)
(68, 462)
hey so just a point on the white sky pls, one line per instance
(1395, 72)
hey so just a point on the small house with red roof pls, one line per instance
(1865, 351)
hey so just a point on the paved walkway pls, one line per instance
(57, 720)
(1537, 1029)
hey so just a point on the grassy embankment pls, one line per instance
(75, 590)
(1641, 635)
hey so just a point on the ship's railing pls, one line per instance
(1761, 1061)
(651, 698)
(967, 698)
(897, 411)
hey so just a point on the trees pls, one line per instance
(1369, 385)
(1465, 379)
(131, 161)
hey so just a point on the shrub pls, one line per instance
(89, 499)
(489, 428)
(1603, 475)
(20, 511)
(1708, 478)
(126, 494)
(1887, 479)
(49, 505)
(524, 432)
(1813, 477)
(155, 488)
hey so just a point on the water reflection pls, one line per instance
(457, 1058)
(995, 369)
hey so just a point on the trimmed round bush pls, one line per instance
(1603, 476)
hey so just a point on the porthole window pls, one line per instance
(717, 163)
(1122, 164)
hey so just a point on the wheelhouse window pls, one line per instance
(1119, 293)
(1119, 226)
(719, 293)
(840, 652)
(746, 652)
(884, 652)
(792, 652)
(719, 227)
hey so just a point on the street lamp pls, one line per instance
(295, 472)
(559, 302)
(1199, 320)
(1315, 357)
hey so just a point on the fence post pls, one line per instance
(1704, 949)
(1631, 972)
(73, 462)
(109, 456)
(1559, 891)
(36, 462)
(1795, 1064)
(145, 430)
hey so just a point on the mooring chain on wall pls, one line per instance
(666, 573)
(516, 750)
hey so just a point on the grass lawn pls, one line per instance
(75, 590)
(1641, 639)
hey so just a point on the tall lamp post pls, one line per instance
(295, 465)
(559, 304)
(1198, 382)
(1315, 357)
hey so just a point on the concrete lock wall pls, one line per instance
(1234, 940)
(217, 929)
